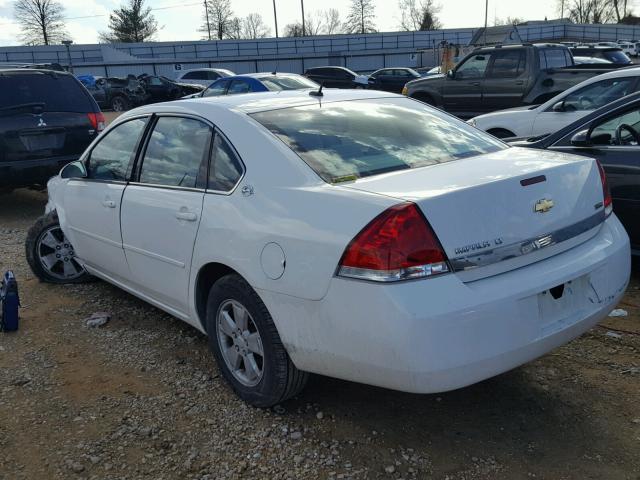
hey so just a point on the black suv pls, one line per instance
(614, 55)
(47, 119)
(335, 77)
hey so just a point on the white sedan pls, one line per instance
(561, 110)
(356, 234)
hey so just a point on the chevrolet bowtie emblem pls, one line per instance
(543, 206)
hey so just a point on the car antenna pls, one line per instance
(319, 93)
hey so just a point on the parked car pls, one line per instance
(391, 79)
(356, 234)
(337, 77)
(628, 48)
(161, 89)
(562, 109)
(118, 94)
(47, 119)
(613, 54)
(256, 82)
(495, 78)
(203, 76)
(611, 135)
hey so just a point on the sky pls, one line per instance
(179, 20)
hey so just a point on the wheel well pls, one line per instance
(207, 276)
(424, 97)
(501, 132)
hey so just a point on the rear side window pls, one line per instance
(238, 86)
(57, 93)
(110, 158)
(508, 64)
(197, 75)
(553, 58)
(347, 140)
(175, 152)
(225, 169)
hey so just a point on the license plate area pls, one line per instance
(49, 140)
(562, 305)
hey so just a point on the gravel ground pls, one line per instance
(141, 397)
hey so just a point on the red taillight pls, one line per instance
(97, 120)
(608, 201)
(397, 245)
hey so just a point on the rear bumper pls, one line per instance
(26, 173)
(441, 334)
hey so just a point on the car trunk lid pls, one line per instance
(503, 210)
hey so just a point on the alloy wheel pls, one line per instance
(56, 255)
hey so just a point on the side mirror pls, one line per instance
(558, 107)
(581, 139)
(74, 170)
(451, 74)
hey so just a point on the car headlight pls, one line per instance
(405, 90)
(472, 122)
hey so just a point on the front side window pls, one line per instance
(348, 140)
(473, 67)
(599, 94)
(508, 64)
(216, 89)
(175, 152)
(225, 169)
(621, 130)
(110, 158)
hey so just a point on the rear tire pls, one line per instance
(245, 342)
(501, 133)
(119, 104)
(50, 255)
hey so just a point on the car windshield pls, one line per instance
(280, 82)
(343, 141)
(617, 56)
(56, 93)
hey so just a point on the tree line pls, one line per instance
(42, 22)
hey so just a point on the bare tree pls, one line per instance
(41, 21)
(621, 9)
(419, 15)
(361, 17)
(507, 21)
(130, 23)
(332, 22)
(218, 19)
(293, 30)
(590, 11)
(254, 27)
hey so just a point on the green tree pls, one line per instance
(131, 23)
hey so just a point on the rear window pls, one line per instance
(617, 56)
(276, 83)
(58, 93)
(343, 141)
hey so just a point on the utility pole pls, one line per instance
(206, 11)
(362, 17)
(67, 43)
(486, 13)
(303, 29)
(275, 17)
(561, 9)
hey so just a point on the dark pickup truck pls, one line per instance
(495, 78)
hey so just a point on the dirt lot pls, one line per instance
(142, 398)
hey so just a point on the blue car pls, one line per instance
(256, 82)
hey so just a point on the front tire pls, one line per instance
(247, 347)
(50, 255)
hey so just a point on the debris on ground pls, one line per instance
(97, 319)
(618, 312)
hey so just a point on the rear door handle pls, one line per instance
(520, 82)
(188, 216)
(109, 204)
(475, 84)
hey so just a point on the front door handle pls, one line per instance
(520, 82)
(475, 84)
(109, 204)
(188, 216)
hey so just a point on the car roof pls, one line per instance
(263, 101)
(33, 71)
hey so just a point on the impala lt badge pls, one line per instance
(543, 205)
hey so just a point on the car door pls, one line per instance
(581, 102)
(615, 142)
(506, 80)
(462, 93)
(161, 210)
(91, 216)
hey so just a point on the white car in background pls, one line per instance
(351, 233)
(561, 110)
(203, 76)
(628, 48)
